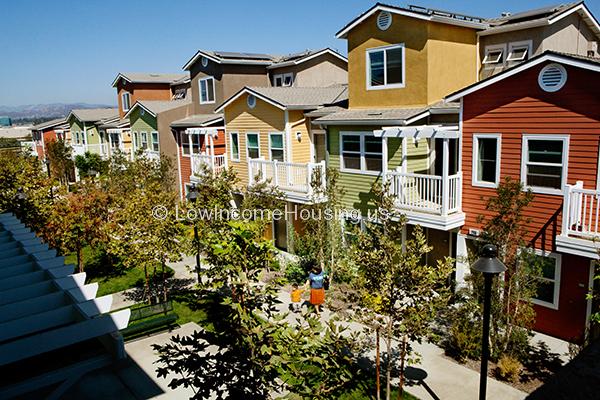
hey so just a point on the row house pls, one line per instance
(216, 76)
(270, 139)
(85, 132)
(48, 131)
(539, 123)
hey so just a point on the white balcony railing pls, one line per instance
(581, 212)
(426, 193)
(81, 149)
(203, 162)
(291, 178)
(78, 149)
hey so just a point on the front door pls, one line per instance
(439, 157)
(320, 147)
(280, 233)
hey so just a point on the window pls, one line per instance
(361, 152)
(549, 282)
(207, 90)
(385, 67)
(185, 144)
(76, 137)
(155, 141)
(544, 163)
(276, 146)
(234, 141)
(136, 141)
(125, 101)
(486, 160)
(494, 56)
(196, 145)
(179, 94)
(252, 145)
(519, 51)
(144, 140)
(283, 79)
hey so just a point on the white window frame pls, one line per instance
(474, 180)
(152, 141)
(237, 135)
(524, 162)
(282, 77)
(200, 90)
(282, 134)
(491, 48)
(247, 148)
(519, 45)
(123, 96)
(363, 163)
(368, 67)
(558, 266)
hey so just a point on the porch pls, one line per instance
(295, 180)
(202, 163)
(580, 228)
(430, 198)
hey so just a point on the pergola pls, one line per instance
(53, 329)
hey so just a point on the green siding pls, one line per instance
(92, 136)
(75, 125)
(356, 186)
(142, 123)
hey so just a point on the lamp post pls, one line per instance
(47, 163)
(21, 197)
(489, 265)
(192, 196)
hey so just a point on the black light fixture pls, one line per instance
(192, 196)
(489, 265)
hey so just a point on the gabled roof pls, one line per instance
(230, 57)
(293, 98)
(299, 58)
(114, 123)
(155, 107)
(540, 17)
(589, 63)
(148, 77)
(93, 114)
(427, 14)
(200, 120)
(49, 124)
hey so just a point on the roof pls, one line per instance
(197, 120)
(299, 58)
(539, 17)
(427, 14)
(49, 124)
(115, 123)
(149, 77)
(93, 114)
(155, 107)
(295, 98)
(321, 112)
(579, 61)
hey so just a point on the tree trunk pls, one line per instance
(147, 285)
(164, 282)
(388, 366)
(378, 364)
(401, 373)
(79, 259)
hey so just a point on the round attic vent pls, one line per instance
(552, 77)
(384, 20)
(204, 61)
(251, 100)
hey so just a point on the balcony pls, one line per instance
(428, 200)
(201, 163)
(580, 230)
(81, 149)
(293, 179)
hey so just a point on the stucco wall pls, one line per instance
(320, 71)
(142, 91)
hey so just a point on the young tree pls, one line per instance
(399, 288)
(61, 160)
(90, 162)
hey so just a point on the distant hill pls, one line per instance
(36, 113)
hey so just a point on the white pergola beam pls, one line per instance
(34, 305)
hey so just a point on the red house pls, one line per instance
(48, 131)
(539, 122)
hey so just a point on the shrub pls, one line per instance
(509, 368)
(464, 341)
(295, 273)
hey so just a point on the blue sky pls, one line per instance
(70, 51)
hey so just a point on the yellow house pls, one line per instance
(269, 136)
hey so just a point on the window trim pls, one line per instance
(231, 146)
(152, 141)
(368, 67)
(557, 273)
(206, 79)
(362, 170)
(136, 140)
(476, 137)
(565, 162)
(184, 145)
(283, 76)
(123, 95)
(247, 148)
(490, 48)
(282, 134)
(519, 45)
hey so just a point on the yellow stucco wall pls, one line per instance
(439, 59)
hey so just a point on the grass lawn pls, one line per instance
(186, 314)
(361, 394)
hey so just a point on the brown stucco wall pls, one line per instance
(142, 91)
(324, 70)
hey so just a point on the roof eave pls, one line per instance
(374, 122)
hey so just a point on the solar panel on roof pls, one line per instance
(252, 56)
(538, 12)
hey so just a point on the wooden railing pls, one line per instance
(203, 162)
(426, 193)
(287, 176)
(581, 212)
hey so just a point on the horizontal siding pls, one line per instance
(300, 148)
(517, 106)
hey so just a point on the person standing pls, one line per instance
(316, 282)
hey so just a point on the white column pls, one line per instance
(445, 193)
(384, 157)
(404, 155)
